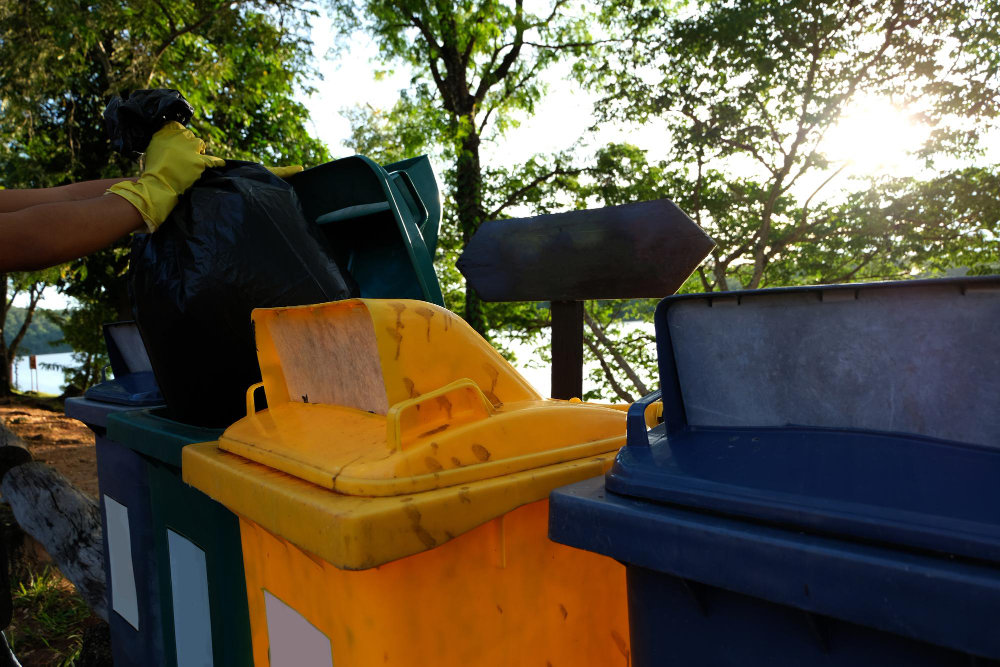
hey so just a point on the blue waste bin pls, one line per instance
(130, 568)
(823, 488)
(198, 552)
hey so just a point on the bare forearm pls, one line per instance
(50, 234)
(16, 200)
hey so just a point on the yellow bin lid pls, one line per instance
(392, 427)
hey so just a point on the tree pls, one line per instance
(476, 65)
(749, 91)
(12, 285)
(240, 63)
(83, 330)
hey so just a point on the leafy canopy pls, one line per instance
(241, 63)
(749, 91)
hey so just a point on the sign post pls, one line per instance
(641, 250)
(33, 372)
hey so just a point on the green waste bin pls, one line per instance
(198, 551)
(381, 221)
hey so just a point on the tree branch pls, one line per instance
(102, 57)
(490, 78)
(615, 354)
(572, 45)
(183, 30)
(850, 274)
(425, 31)
(170, 19)
(535, 182)
(704, 279)
(10, 302)
(35, 295)
(801, 228)
(608, 373)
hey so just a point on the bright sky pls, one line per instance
(349, 79)
(873, 136)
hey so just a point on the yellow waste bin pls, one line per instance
(393, 498)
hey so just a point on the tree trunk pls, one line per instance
(6, 368)
(123, 303)
(66, 521)
(6, 372)
(469, 201)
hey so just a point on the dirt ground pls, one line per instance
(63, 443)
(50, 619)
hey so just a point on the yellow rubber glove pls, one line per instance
(175, 159)
(284, 172)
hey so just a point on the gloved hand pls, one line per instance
(284, 172)
(175, 159)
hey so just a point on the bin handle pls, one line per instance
(637, 428)
(251, 403)
(460, 402)
(404, 178)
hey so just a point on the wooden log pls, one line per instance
(66, 521)
(647, 249)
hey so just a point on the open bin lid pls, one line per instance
(386, 411)
(867, 411)
(134, 384)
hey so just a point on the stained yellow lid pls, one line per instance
(362, 409)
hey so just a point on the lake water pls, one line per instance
(50, 381)
(540, 376)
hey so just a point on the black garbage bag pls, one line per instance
(236, 241)
(133, 121)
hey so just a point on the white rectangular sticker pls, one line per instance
(295, 642)
(123, 597)
(189, 587)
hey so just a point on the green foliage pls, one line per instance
(388, 136)
(31, 284)
(43, 336)
(476, 66)
(49, 620)
(83, 332)
(749, 90)
(619, 338)
(476, 63)
(241, 64)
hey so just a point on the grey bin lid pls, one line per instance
(134, 385)
(93, 413)
(867, 411)
(914, 357)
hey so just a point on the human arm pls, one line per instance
(16, 200)
(49, 234)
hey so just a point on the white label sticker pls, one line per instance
(295, 642)
(123, 597)
(189, 587)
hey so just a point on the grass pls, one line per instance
(49, 620)
(34, 400)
